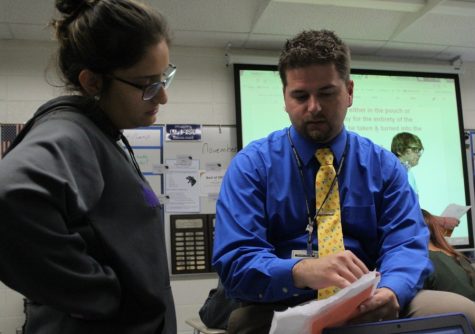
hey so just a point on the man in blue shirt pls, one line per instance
(267, 201)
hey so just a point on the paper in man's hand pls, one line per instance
(314, 316)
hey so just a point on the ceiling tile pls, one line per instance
(354, 23)
(366, 25)
(5, 32)
(208, 39)
(410, 50)
(209, 15)
(364, 48)
(441, 30)
(30, 11)
(266, 42)
(3, 11)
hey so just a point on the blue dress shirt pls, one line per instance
(261, 217)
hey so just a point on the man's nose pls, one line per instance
(314, 104)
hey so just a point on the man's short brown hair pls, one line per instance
(312, 47)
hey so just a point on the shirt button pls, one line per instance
(285, 290)
(260, 296)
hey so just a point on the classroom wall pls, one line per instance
(201, 93)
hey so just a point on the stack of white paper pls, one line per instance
(313, 316)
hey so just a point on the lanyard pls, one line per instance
(311, 221)
(132, 155)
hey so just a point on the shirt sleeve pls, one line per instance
(403, 253)
(243, 256)
(50, 179)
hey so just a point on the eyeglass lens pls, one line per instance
(151, 90)
(416, 149)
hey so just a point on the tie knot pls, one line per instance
(324, 156)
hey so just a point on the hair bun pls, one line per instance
(68, 7)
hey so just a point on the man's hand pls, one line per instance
(383, 305)
(340, 270)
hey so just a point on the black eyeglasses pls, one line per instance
(417, 150)
(149, 91)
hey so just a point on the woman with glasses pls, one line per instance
(81, 235)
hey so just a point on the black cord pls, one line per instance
(132, 155)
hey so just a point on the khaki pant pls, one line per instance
(257, 319)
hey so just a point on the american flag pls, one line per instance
(8, 133)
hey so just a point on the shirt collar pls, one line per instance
(306, 147)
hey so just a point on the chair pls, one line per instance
(199, 327)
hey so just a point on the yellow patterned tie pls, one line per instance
(330, 235)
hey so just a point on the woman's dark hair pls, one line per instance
(315, 47)
(104, 35)
(438, 240)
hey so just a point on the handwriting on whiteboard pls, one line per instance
(144, 136)
(216, 149)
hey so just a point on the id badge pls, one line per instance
(302, 253)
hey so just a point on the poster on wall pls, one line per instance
(182, 185)
(211, 179)
(183, 132)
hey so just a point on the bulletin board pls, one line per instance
(212, 154)
(183, 169)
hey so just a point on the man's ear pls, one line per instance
(90, 82)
